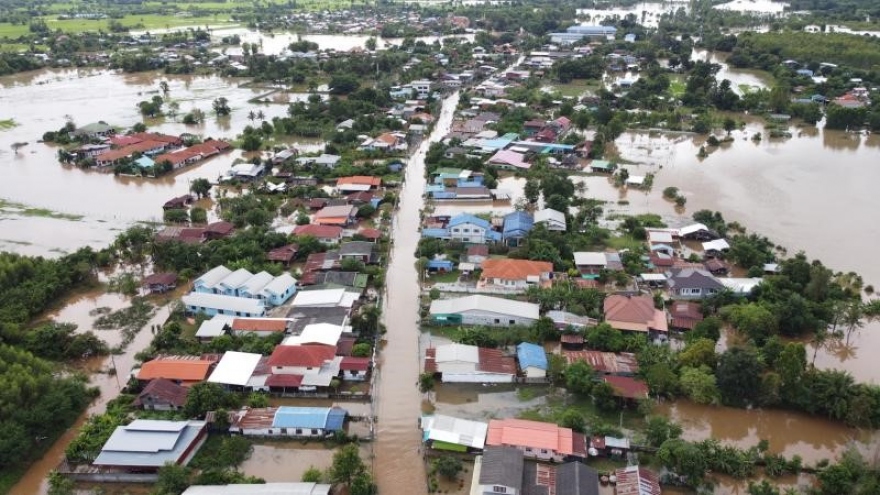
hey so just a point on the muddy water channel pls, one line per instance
(80, 310)
(398, 465)
(44, 100)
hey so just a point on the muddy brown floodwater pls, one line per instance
(398, 463)
(78, 309)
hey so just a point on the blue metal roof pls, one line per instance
(468, 218)
(440, 264)
(335, 419)
(301, 417)
(530, 354)
(518, 221)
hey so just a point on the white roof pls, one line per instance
(771, 267)
(354, 187)
(457, 353)
(617, 443)
(318, 298)
(653, 277)
(237, 279)
(716, 245)
(486, 303)
(316, 333)
(740, 285)
(214, 326)
(690, 229)
(655, 236)
(636, 180)
(549, 215)
(227, 303)
(235, 368)
(467, 267)
(279, 284)
(256, 283)
(455, 430)
(262, 489)
(213, 276)
(594, 258)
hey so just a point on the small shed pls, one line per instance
(160, 283)
(532, 360)
(440, 265)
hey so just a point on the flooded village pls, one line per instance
(408, 250)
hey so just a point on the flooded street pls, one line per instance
(398, 465)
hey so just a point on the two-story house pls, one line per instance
(692, 283)
(471, 229)
(516, 227)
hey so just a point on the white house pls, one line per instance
(484, 310)
(443, 430)
(213, 304)
(459, 363)
(554, 220)
(422, 88)
(235, 369)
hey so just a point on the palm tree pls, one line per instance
(251, 115)
(261, 116)
(163, 87)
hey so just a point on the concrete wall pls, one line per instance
(479, 317)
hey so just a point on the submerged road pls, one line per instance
(398, 463)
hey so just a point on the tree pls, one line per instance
(221, 107)
(200, 187)
(60, 484)
(604, 337)
(426, 382)
(173, 479)
(698, 384)
(312, 475)
(163, 87)
(739, 376)
(572, 418)
(700, 352)
(448, 466)
(555, 367)
(175, 216)
(343, 84)
(604, 396)
(579, 378)
(347, 465)
(198, 215)
(362, 484)
(753, 320)
(204, 397)
(362, 349)
(532, 190)
(684, 459)
(659, 429)
(662, 380)
(370, 44)
(729, 125)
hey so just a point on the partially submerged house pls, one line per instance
(160, 283)
(483, 310)
(162, 395)
(635, 480)
(516, 226)
(286, 421)
(448, 433)
(552, 219)
(459, 363)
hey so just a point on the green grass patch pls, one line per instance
(13, 208)
(624, 242)
(574, 88)
(7, 124)
(677, 87)
(747, 88)
(447, 277)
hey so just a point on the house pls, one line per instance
(627, 387)
(633, 480)
(235, 369)
(715, 248)
(162, 395)
(634, 314)
(179, 203)
(354, 369)
(261, 327)
(602, 167)
(160, 283)
(215, 327)
(563, 320)
(327, 234)
(283, 254)
(278, 291)
(358, 250)
(470, 229)
(513, 274)
(516, 226)
(509, 160)
(740, 286)
(341, 215)
(594, 263)
(531, 127)
(182, 370)
(286, 421)
(532, 360)
(537, 440)
(697, 232)
(358, 183)
(219, 230)
(324, 160)
(500, 471)
(387, 142)
(605, 363)
(300, 359)
(691, 283)
(552, 219)
(448, 433)
(477, 254)
(422, 88)
(145, 445)
(458, 363)
(94, 131)
(576, 478)
(316, 333)
(218, 304)
(303, 488)
(483, 310)
(326, 298)
(685, 315)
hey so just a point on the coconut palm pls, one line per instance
(163, 87)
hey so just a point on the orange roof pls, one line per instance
(319, 231)
(533, 434)
(509, 269)
(185, 370)
(258, 325)
(152, 136)
(360, 179)
(634, 313)
(308, 356)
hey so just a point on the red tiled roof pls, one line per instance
(494, 361)
(151, 136)
(534, 434)
(319, 231)
(431, 360)
(511, 269)
(627, 387)
(639, 311)
(284, 380)
(355, 364)
(309, 356)
(122, 141)
(185, 370)
(361, 179)
(361, 196)
(686, 309)
(166, 391)
(370, 233)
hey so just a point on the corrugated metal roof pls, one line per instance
(261, 489)
(457, 353)
(235, 368)
(213, 276)
(468, 218)
(309, 417)
(226, 303)
(531, 355)
(214, 327)
(486, 303)
(455, 430)
(502, 466)
(149, 443)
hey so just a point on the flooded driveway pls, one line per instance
(398, 465)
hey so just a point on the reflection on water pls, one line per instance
(286, 460)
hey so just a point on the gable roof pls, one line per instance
(693, 278)
(533, 434)
(336, 211)
(491, 304)
(186, 370)
(517, 220)
(319, 231)
(150, 443)
(627, 386)
(261, 489)
(356, 248)
(453, 430)
(549, 215)
(213, 276)
(307, 356)
(361, 179)
(531, 355)
(494, 361)
(235, 368)
(576, 478)
(511, 269)
(468, 218)
(634, 313)
(634, 480)
(502, 466)
(166, 391)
